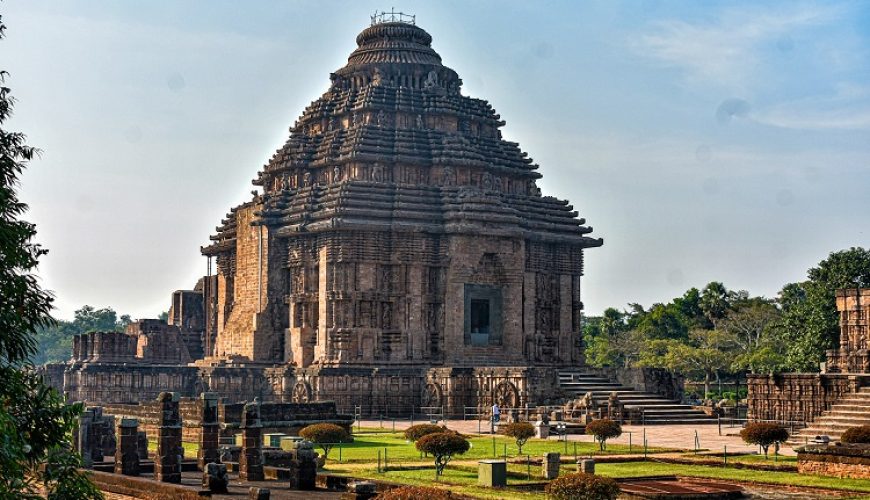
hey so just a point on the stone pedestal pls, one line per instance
(251, 460)
(209, 437)
(127, 448)
(587, 465)
(84, 438)
(259, 493)
(542, 430)
(492, 473)
(167, 460)
(214, 477)
(550, 465)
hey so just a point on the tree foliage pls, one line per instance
(603, 429)
(856, 435)
(415, 432)
(325, 435)
(35, 424)
(520, 431)
(442, 446)
(764, 434)
(582, 486)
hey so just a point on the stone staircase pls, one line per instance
(849, 411)
(657, 409)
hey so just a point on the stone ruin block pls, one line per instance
(127, 452)
(167, 460)
(251, 461)
(550, 465)
(214, 478)
(210, 435)
(259, 493)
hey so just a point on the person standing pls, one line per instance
(496, 416)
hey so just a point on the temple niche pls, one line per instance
(397, 251)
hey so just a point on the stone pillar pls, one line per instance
(550, 466)
(542, 430)
(167, 461)
(208, 440)
(586, 465)
(127, 448)
(251, 459)
(83, 437)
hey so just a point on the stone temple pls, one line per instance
(398, 254)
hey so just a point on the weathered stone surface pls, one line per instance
(167, 459)
(214, 477)
(251, 458)
(550, 465)
(846, 461)
(210, 432)
(398, 255)
(255, 493)
(127, 452)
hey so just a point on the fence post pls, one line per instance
(719, 422)
(385, 460)
(528, 467)
(493, 447)
(725, 456)
(379, 461)
(339, 452)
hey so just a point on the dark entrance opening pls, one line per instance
(480, 320)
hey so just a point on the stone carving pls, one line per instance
(486, 181)
(336, 174)
(448, 177)
(431, 81)
(376, 78)
(301, 392)
(431, 395)
(381, 119)
(506, 395)
(306, 179)
(419, 122)
(378, 173)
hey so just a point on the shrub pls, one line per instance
(417, 492)
(856, 435)
(325, 435)
(520, 431)
(582, 486)
(442, 446)
(603, 429)
(763, 434)
(415, 432)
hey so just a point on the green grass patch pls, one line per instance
(637, 469)
(366, 446)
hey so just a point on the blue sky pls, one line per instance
(703, 141)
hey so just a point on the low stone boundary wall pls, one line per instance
(143, 489)
(844, 461)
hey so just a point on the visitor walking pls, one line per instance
(496, 416)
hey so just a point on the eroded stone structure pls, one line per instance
(398, 254)
(804, 397)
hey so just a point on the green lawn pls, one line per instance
(366, 446)
(635, 469)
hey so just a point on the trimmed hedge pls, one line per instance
(418, 492)
(582, 486)
(764, 434)
(325, 435)
(415, 432)
(856, 435)
(520, 431)
(603, 429)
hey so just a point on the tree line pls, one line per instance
(711, 332)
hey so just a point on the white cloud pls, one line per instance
(726, 52)
(847, 109)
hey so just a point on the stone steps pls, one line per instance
(851, 410)
(656, 409)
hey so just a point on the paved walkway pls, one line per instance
(665, 436)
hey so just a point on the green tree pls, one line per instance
(810, 324)
(35, 424)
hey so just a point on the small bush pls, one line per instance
(856, 435)
(520, 431)
(442, 446)
(326, 436)
(415, 432)
(603, 429)
(763, 434)
(581, 486)
(417, 492)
